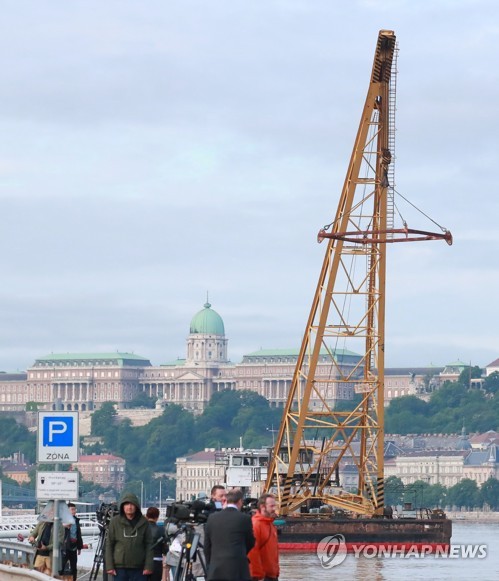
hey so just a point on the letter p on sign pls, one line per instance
(57, 431)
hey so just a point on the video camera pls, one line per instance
(249, 505)
(105, 513)
(196, 512)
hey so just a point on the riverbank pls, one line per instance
(474, 516)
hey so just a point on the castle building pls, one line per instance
(192, 381)
(84, 382)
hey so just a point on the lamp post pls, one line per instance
(273, 432)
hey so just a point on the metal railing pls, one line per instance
(18, 554)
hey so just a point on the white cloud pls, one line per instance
(151, 153)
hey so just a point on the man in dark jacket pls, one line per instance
(158, 543)
(128, 552)
(228, 540)
(73, 543)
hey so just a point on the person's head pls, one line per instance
(219, 495)
(152, 513)
(72, 508)
(130, 505)
(267, 505)
(129, 509)
(235, 496)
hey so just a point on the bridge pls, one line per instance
(12, 494)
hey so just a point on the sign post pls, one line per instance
(58, 441)
(58, 437)
(57, 485)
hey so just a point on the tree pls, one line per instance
(464, 494)
(435, 496)
(394, 491)
(142, 400)
(231, 415)
(489, 493)
(416, 493)
(16, 438)
(103, 419)
(407, 414)
(469, 373)
(449, 395)
(491, 383)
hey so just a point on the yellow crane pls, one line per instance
(347, 316)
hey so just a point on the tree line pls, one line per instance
(229, 417)
(466, 494)
(450, 407)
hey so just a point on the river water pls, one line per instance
(297, 567)
(301, 566)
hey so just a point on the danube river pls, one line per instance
(300, 566)
(296, 567)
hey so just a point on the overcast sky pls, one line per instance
(151, 151)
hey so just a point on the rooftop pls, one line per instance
(116, 358)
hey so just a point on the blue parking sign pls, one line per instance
(58, 431)
(58, 437)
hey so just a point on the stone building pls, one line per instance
(84, 381)
(191, 382)
(444, 467)
(106, 470)
(198, 473)
(411, 381)
(13, 392)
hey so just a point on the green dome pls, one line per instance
(207, 322)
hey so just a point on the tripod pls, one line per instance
(104, 515)
(99, 555)
(192, 553)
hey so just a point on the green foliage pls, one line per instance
(469, 373)
(406, 415)
(491, 383)
(489, 493)
(424, 495)
(103, 420)
(435, 496)
(233, 414)
(449, 408)
(93, 449)
(155, 446)
(16, 438)
(394, 491)
(464, 494)
(142, 400)
(166, 438)
(416, 493)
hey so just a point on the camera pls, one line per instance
(105, 513)
(196, 512)
(249, 505)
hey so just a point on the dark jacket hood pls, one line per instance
(130, 497)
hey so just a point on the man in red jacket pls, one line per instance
(264, 557)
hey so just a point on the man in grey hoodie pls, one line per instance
(128, 551)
